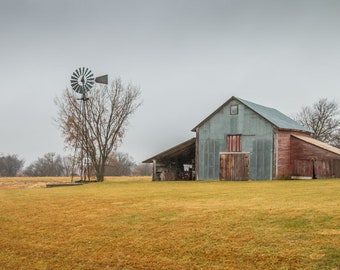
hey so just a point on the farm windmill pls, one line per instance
(82, 80)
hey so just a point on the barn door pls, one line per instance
(234, 166)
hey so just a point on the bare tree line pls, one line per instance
(51, 164)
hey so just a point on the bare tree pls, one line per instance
(107, 113)
(10, 165)
(68, 167)
(322, 119)
(49, 165)
(119, 164)
(336, 141)
(142, 169)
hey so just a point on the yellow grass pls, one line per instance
(133, 223)
(40, 182)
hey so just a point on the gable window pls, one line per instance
(234, 143)
(234, 109)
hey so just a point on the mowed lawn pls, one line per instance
(133, 223)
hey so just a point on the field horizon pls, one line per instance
(134, 223)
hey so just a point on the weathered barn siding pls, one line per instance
(284, 153)
(302, 167)
(313, 161)
(321, 168)
(337, 168)
(261, 159)
(257, 139)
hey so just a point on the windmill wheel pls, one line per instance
(82, 80)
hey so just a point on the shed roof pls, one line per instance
(181, 149)
(274, 116)
(319, 144)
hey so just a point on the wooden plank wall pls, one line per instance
(302, 167)
(337, 168)
(234, 166)
(310, 160)
(320, 168)
(284, 164)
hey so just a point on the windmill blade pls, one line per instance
(74, 78)
(87, 88)
(75, 88)
(90, 81)
(80, 89)
(88, 72)
(74, 84)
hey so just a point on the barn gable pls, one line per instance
(273, 116)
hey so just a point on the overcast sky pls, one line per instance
(188, 58)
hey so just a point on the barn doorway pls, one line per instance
(234, 166)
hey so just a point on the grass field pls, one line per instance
(133, 223)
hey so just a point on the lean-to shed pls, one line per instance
(176, 163)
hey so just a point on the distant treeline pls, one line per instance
(51, 164)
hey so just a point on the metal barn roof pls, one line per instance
(275, 117)
(178, 151)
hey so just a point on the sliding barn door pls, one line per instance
(234, 166)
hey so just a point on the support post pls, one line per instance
(154, 170)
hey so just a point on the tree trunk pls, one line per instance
(100, 171)
(100, 178)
